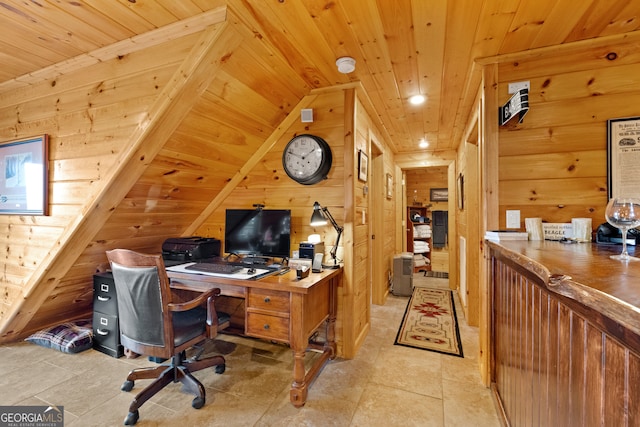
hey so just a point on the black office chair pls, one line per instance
(156, 321)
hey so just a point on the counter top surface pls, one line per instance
(586, 263)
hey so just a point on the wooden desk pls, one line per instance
(283, 309)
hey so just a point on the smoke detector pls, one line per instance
(346, 64)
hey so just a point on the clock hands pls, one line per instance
(312, 151)
(303, 156)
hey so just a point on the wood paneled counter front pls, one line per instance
(565, 334)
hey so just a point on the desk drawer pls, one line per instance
(265, 299)
(268, 327)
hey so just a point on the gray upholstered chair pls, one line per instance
(162, 323)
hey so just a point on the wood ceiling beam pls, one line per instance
(133, 44)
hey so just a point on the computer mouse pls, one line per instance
(251, 270)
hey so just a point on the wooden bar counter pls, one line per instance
(565, 334)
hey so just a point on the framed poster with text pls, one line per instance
(623, 157)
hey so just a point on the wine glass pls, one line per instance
(623, 213)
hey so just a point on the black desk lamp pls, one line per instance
(319, 217)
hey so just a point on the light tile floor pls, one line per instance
(384, 385)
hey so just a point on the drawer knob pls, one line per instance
(103, 299)
(266, 326)
(102, 332)
(267, 299)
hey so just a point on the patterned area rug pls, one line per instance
(430, 322)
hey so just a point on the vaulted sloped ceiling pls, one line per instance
(401, 47)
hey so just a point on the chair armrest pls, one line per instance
(209, 298)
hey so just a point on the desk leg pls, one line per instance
(302, 379)
(298, 343)
(299, 387)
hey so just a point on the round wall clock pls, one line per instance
(307, 159)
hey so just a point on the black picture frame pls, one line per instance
(439, 194)
(363, 166)
(24, 174)
(460, 192)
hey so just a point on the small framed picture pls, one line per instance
(24, 176)
(363, 166)
(439, 194)
(389, 186)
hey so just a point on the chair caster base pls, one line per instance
(132, 418)
(197, 403)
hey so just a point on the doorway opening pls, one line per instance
(427, 193)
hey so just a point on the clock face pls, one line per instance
(307, 159)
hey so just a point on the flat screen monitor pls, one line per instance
(259, 232)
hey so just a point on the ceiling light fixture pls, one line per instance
(346, 64)
(417, 99)
(423, 143)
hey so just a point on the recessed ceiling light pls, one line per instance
(417, 99)
(423, 143)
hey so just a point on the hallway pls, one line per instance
(385, 385)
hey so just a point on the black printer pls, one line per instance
(192, 248)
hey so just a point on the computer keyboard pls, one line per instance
(207, 267)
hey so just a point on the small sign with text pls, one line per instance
(557, 230)
(31, 416)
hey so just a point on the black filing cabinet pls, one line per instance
(106, 334)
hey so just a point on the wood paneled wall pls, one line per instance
(90, 119)
(267, 184)
(419, 182)
(157, 143)
(554, 164)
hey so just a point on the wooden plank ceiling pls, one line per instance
(401, 47)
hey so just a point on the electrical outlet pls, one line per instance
(513, 219)
(516, 86)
